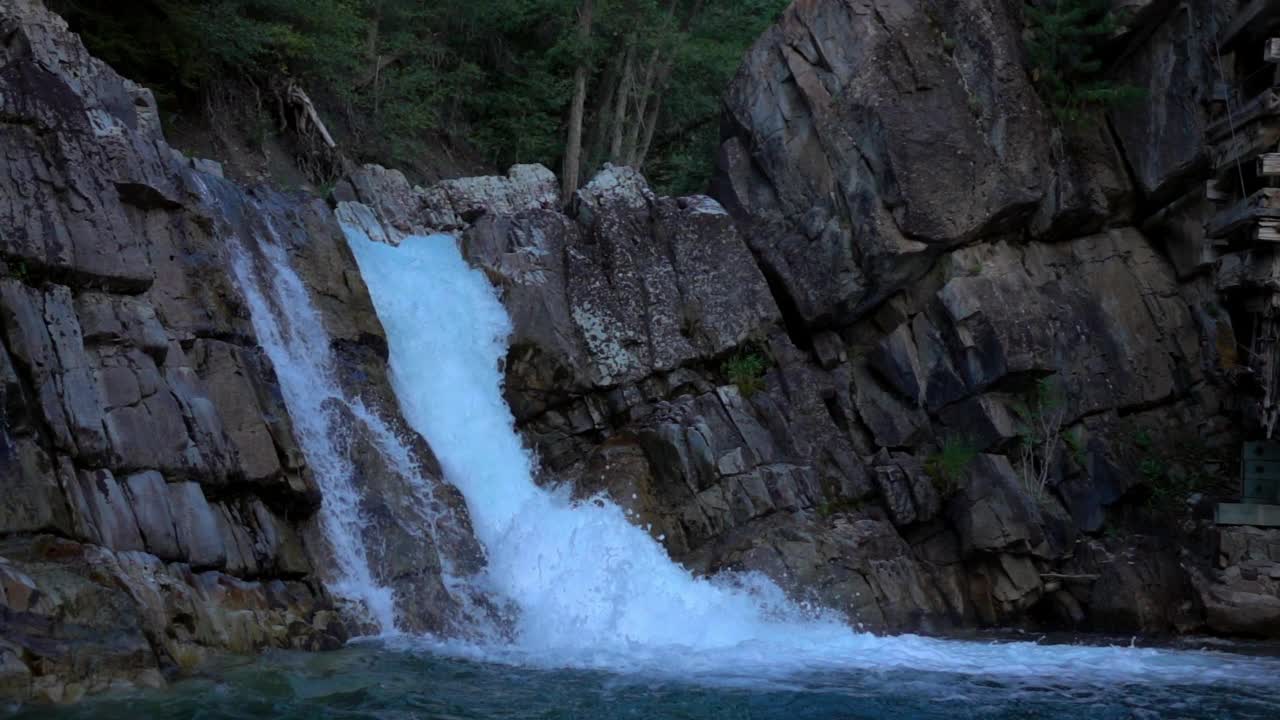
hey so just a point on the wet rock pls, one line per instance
(400, 209)
(993, 512)
(133, 390)
(1241, 595)
(30, 480)
(149, 498)
(645, 285)
(1138, 584)
(103, 512)
(196, 525)
(896, 493)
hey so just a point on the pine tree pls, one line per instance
(1064, 44)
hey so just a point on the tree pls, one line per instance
(573, 143)
(1064, 49)
(565, 83)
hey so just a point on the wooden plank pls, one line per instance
(1248, 514)
(1253, 20)
(1262, 205)
(1271, 50)
(1269, 164)
(1267, 232)
(1263, 105)
(1243, 149)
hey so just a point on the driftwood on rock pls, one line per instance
(297, 97)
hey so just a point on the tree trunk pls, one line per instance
(597, 143)
(643, 97)
(573, 143)
(661, 77)
(620, 102)
(650, 125)
(375, 26)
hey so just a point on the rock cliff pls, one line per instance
(933, 277)
(923, 356)
(156, 505)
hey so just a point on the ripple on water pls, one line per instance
(390, 682)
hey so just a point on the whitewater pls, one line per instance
(594, 591)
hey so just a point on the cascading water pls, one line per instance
(293, 336)
(594, 591)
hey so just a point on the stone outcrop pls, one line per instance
(628, 309)
(840, 370)
(1241, 594)
(157, 507)
(855, 180)
(917, 257)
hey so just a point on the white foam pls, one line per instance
(593, 590)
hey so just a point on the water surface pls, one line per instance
(398, 681)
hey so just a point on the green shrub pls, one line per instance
(1170, 489)
(947, 466)
(1075, 440)
(746, 370)
(399, 80)
(1039, 432)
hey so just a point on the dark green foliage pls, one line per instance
(840, 506)
(1076, 442)
(947, 466)
(397, 78)
(1142, 439)
(177, 46)
(1064, 44)
(1169, 488)
(1173, 469)
(707, 56)
(746, 370)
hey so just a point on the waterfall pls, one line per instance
(594, 591)
(293, 336)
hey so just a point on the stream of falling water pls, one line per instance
(294, 338)
(596, 592)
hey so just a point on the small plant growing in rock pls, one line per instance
(1075, 441)
(947, 466)
(1152, 469)
(746, 370)
(1170, 489)
(1039, 431)
(840, 505)
(1173, 470)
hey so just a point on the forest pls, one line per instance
(567, 83)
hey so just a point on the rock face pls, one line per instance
(157, 507)
(855, 180)
(924, 358)
(927, 358)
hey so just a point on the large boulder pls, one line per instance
(864, 138)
